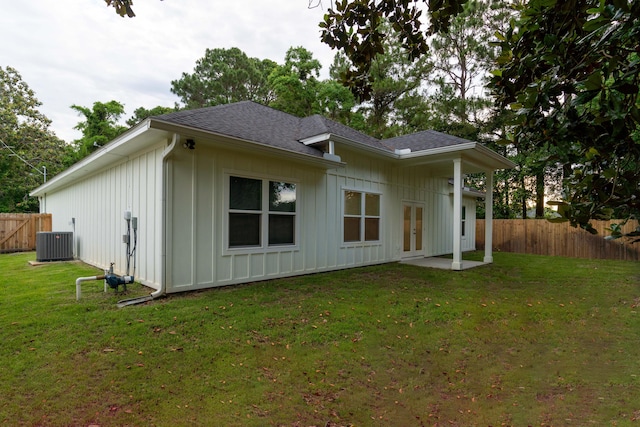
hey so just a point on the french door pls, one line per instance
(413, 229)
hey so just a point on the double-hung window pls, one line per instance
(262, 213)
(361, 221)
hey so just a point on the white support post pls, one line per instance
(488, 221)
(457, 215)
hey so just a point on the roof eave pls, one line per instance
(497, 161)
(327, 162)
(111, 149)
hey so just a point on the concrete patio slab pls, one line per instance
(441, 263)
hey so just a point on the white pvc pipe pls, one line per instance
(79, 280)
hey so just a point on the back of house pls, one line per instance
(241, 192)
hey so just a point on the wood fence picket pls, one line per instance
(541, 237)
(18, 231)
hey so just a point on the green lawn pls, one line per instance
(529, 340)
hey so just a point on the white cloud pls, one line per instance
(80, 51)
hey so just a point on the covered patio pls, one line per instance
(454, 162)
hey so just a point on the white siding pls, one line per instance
(196, 215)
(197, 257)
(98, 202)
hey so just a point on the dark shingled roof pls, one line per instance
(317, 125)
(250, 121)
(424, 140)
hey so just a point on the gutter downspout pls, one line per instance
(163, 215)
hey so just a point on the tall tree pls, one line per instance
(354, 27)
(299, 91)
(568, 68)
(28, 147)
(100, 125)
(141, 113)
(393, 80)
(223, 76)
(296, 84)
(571, 71)
(463, 56)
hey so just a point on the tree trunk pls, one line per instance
(540, 194)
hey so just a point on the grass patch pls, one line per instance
(529, 340)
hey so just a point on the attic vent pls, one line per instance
(54, 246)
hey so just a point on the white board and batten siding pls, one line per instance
(417, 184)
(198, 256)
(97, 203)
(197, 215)
(197, 221)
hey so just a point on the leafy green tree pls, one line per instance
(462, 58)
(570, 70)
(141, 113)
(298, 90)
(336, 102)
(224, 76)
(393, 79)
(354, 27)
(27, 146)
(100, 125)
(295, 83)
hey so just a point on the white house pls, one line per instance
(242, 192)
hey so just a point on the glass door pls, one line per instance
(413, 229)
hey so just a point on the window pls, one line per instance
(361, 221)
(464, 219)
(261, 211)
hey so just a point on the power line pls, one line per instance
(43, 172)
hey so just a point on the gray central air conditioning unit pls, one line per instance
(54, 246)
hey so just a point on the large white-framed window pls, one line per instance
(261, 213)
(361, 216)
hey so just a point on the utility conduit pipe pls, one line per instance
(79, 280)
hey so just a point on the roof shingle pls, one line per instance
(254, 122)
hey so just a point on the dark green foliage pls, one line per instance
(142, 113)
(224, 76)
(570, 70)
(99, 127)
(295, 83)
(354, 27)
(27, 145)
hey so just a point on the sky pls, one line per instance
(80, 51)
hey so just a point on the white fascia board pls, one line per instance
(95, 160)
(500, 162)
(506, 163)
(439, 150)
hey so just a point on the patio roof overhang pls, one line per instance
(475, 157)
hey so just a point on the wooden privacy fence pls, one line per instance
(541, 237)
(18, 231)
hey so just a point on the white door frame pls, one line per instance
(412, 229)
